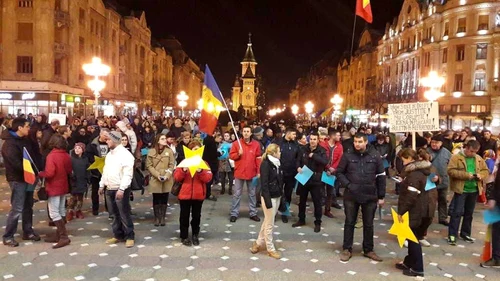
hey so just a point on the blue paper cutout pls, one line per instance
(304, 176)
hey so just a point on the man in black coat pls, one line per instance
(487, 143)
(361, 172)
(315, 158)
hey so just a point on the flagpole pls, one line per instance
(232, 122)
(353, 30)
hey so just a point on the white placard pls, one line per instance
(60, 117)
(414, 117)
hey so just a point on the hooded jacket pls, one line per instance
(316, 163)
(363, 175)
(334, 154)
(290, 157)
(412, 197)
(57, 168)
(246, 166)
(12, 153)
(440, 160)
(80, 174)
(193, 188)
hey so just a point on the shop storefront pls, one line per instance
(357, 116)
(17, 103)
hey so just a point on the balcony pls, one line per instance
(61, 18)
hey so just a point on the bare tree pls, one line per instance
(162, 93)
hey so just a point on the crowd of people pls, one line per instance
(265, 156)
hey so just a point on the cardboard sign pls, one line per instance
(60, 117)
(414, 117)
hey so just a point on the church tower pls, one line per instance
(245, 94)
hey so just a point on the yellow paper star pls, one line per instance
(402, 230)
(194, 160)
(98, 164)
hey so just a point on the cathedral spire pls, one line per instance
(249, 56)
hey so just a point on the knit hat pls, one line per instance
(81, 145)
(121, 125)
(115, 136)
(438, 137)
(258, 130)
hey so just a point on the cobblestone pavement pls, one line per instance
(224, 250)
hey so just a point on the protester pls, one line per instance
(191, 196)
(79, 181)
(271, 177)
(467, 171)
(160, 164)
(116, 178)
(21, 197)
(290, 161)
(361, 172)
(57, 169)
(334, 152)
(132, 138)
(225, 167)
(97, 148)
(440, 158)
(411, 200)
(246, 156)
(315, 158)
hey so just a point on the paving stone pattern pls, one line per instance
(224, 252)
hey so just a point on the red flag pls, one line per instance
(364, 10)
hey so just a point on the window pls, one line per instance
(481, 51)
(446, 29)
(442, 108)
(456, 108)
(81, 76)
(25, 3)
(24, 64)
(81, 16)
(460, 52)
(427, 59)
(462, 23)
(113, 36)
(102, 30)
(81, 46)
(483, 22)
(477, 108)
(459, 80)
(91, 26)
(480, 82)
(57, 67)
(445, 55)
(25, 31)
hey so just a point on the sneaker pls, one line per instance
(113, 240)
(424, 243)
(10, 242)
(411, 272)
(129, 243)
(492, 263)
(452, 240)
(467, 238)
(373, 256)
(255, 218)
(233, 219)
(299, 223)
(274, 254)
(32, 237)
(345, 256)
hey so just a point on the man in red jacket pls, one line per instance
(247, 157)
(334, 151)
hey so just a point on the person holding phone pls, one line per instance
(160, 163)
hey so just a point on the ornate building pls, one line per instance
(457, 38)
(245, 89)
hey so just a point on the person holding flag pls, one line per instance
(21, 178)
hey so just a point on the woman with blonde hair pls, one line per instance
(271, 177)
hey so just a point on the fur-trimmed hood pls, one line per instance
(423, 166)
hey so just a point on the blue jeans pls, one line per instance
(22, 206)
(351, 209)
(237, 191)
(462, 205)
(123, 227)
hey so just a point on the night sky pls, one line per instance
(288, 36)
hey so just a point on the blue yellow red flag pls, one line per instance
(364, 10)
(213, 103)
(327, 112)
(29, 174)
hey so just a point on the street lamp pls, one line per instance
(182, 101)
(97, 69)
(309, 106)
(295, 109)
(434, 82)
(337, 102)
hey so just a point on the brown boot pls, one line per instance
(52, 238)
(70, 215)
(163, 214)
(63, 235)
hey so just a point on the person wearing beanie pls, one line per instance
(122, 127)
(116, 178)
(78, 181)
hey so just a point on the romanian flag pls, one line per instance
(364, 10)
(213, 103)
(29, 175)
(327, 113)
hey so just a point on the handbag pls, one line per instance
(138, 180)
(176, 188)
(42, 192)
